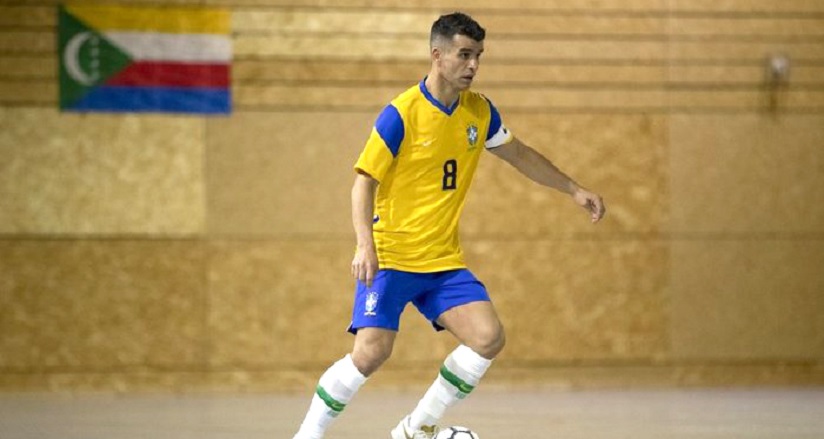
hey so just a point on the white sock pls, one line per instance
(459, 375)
(336, 388)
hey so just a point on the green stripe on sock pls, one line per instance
(456, 381)
(332, 403)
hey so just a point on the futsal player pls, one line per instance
(410, 185)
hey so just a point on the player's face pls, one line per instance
(458, 62)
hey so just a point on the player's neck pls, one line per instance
(441, 90)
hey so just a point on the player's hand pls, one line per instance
(365, 264)
(592, 202)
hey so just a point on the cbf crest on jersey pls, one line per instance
(472, 135)
(371, 303)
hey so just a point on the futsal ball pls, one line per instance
(456, 432)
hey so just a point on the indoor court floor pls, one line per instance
(494, 414)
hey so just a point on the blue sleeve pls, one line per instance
(494, 122)
(390, 127)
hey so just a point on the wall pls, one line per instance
(182, 253)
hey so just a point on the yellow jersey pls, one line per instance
(424, 155)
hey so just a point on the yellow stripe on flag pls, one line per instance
(153, 19)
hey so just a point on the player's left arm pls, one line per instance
(542, 171)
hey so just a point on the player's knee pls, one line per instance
(496, 343)
(368, 358)
(489, 342)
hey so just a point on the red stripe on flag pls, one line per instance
(147, 74)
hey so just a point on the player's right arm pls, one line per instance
(377, 156)
(365, 263)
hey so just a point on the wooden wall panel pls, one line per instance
(560, 74)
(332, 22)
(25, 16)
(754, 174)
(29, 3)
(750, 299)
(100, 174)
(758, 18)
(719, 100)
(469, 5)
(552, 5)
(723, 52)
(30, 68)
(314, 96)
(101, 305)
(282, 174)
(761, 28)
(325, 71)
(747, 76)
(341, 47)
(279, 304)
(747, 7)
(27, 42)
(29, 92)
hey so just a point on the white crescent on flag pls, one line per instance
(71, 59)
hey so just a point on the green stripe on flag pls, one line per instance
(331, 402)
(456, 381)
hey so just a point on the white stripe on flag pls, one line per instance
(149, 46)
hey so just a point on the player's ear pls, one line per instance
(437, 48)
(435, 53)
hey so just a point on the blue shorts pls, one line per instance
(432, 293)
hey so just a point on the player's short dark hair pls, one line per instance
(456, 23)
